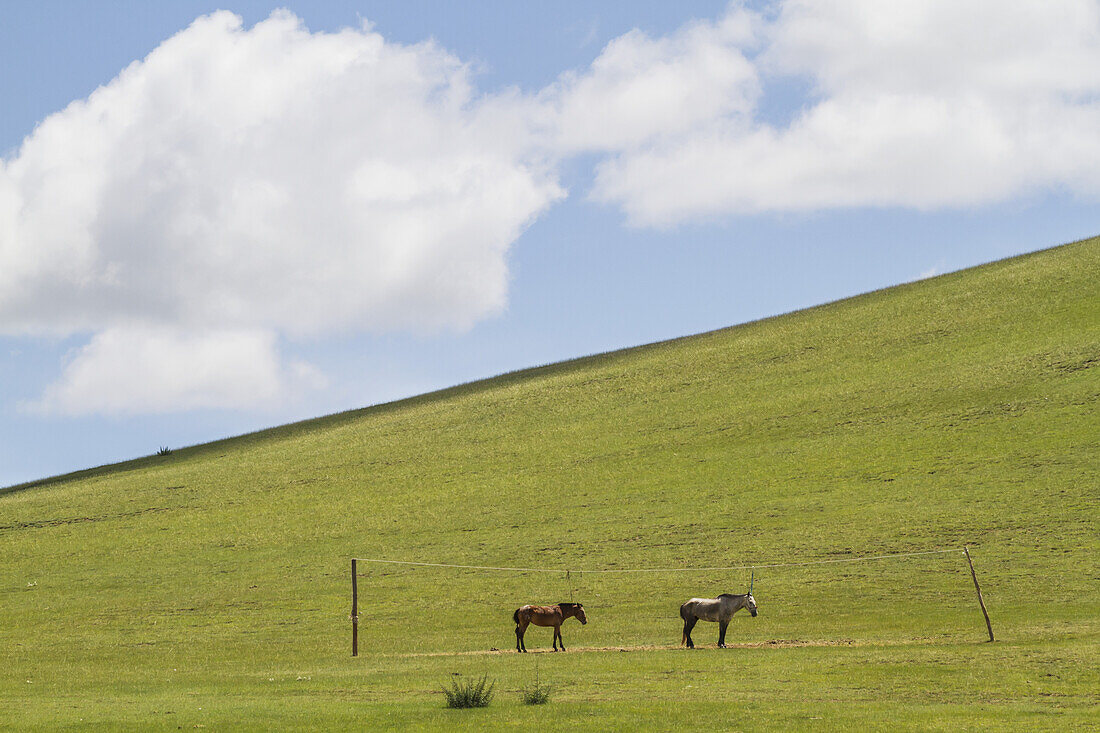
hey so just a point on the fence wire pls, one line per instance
(756, 566)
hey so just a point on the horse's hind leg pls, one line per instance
(521, 627)
(689, 624)
(722, 634)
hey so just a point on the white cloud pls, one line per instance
(640, 89)
(142, 370)
(922, 105)
(265, 179)
(939, 47)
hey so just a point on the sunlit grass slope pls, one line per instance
(211, 587)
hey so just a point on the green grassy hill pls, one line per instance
(211, 587)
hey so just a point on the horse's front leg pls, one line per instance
(557, 633)
(722, 634)
(561, 641)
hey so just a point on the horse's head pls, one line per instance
(574, 609)
(750, 603)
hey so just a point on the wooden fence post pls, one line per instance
(354, 612)
(981, 601)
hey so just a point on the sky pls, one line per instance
(216, 218)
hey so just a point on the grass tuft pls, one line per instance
(164, 451)
(465, 693)
(537, 695)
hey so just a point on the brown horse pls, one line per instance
(546, 616)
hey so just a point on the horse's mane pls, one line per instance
(564, 606)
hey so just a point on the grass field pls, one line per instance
(211, 587)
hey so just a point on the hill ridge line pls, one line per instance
(500, 379)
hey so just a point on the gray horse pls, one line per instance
(720, 609)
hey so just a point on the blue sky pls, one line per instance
(212, 245)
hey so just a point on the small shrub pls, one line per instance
(164, 451)
(539, 694)
(469, 694)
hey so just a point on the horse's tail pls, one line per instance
(515, 616)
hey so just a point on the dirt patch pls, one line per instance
(771, 644)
